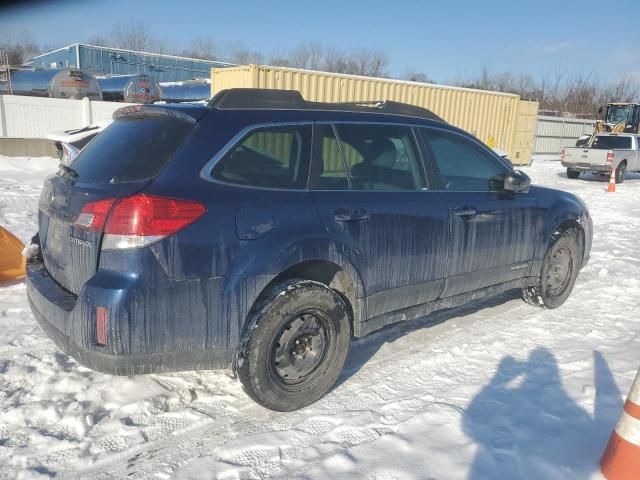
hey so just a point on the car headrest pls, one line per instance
(382, 153)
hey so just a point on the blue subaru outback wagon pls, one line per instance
(261, 232)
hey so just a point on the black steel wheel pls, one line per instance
(297, 342)
(300, 346)
(559, 271)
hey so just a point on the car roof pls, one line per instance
(255, 99)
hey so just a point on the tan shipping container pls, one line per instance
(524, 132)
(490, 116)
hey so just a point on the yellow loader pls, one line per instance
(616, 118)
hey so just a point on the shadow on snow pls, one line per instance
(526, 426)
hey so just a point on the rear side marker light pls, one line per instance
(562, 154)
(138, 220)
(101, 326)
(610, 156)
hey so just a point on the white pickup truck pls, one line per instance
(607, 151)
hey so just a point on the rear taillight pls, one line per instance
(138, 220)
(610, 156)
(562, 154)
(94, 214)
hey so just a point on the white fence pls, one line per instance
(555, 133)
(35, 117)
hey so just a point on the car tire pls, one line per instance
(559, 271)
(573, 174)
(621, 172)
(298, 340)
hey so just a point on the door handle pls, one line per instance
(465, 212)
(355, 215)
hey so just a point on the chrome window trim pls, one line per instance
(205, 171)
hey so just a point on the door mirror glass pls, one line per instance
(517, 181)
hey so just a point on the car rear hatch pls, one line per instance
(119, 162)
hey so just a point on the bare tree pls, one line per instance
(370, 62)
(622, 90)
(134, 35)
(578, 93)
(244, 56)
(415, 76)
(19, 45)
(279, 58)
(311, 56)
(203, 47)
(99, 41)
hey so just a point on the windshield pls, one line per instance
(619, 113)
(606, 142)
(130, 149)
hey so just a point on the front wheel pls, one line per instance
(559, 271)
(298, 342)
(573, 173)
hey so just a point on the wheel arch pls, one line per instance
(342, 278)
(564, 224)
(328, 273)
(315, 260)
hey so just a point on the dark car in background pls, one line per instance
(262, 232)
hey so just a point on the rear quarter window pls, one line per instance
(271, 157)
(130, 149)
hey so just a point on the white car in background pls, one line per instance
(69, 142)
(619, 152)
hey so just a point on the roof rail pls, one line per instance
(263, 99)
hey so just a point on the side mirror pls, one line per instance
(517, 181)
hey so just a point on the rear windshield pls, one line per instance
(611, 143)
(130, 149)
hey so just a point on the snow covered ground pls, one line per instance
(493, 390)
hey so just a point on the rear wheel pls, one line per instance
(621, 171)
(298, 346)
(559, 271)
(573, 173)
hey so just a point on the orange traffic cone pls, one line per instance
(621, 459)
(612, 180)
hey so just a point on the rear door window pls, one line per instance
(461, 165)
(130, 149)
(272, 157)
(373, 157)
(381, 157)
(606, 142)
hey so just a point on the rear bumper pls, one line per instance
(587, 167)
(70, 322)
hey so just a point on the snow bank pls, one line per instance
(495, 389)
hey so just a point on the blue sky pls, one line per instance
(446, 39)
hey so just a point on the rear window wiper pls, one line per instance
(67, 170)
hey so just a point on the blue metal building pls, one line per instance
(106, 61)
